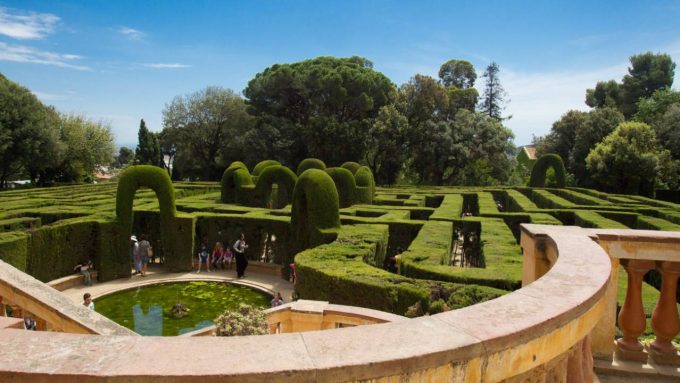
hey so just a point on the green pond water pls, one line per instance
(148, 310)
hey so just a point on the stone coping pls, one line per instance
(486, 342)
(325, 308)
(49, 304)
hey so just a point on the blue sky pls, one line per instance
(121, 61)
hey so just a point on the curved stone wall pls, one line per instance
(539, 329)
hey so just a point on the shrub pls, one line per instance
(351, 166)
(310, 163)
(246, 320)
(344, 184)
(237, 184)
(275, 174)
(365, 186)
(158, 180)
(257, 170)
(540, 169)
(315, 215)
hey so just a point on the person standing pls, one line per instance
(144, 249)
(241, 261)
(136, 258)
(278, 300)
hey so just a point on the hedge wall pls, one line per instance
(336, 271)
(540, 169)
(315, 214)
(351, 166)
(14, 249)
(237, 184)
(365, 186)
(344, 184)
(257, 170)
(310, 163)
(280, 175)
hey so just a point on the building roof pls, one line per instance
(531, 151)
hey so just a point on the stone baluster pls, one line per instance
(632, 321)
(665, 320)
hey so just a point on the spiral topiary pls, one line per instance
(158, 180)
(315, 215)
(237, 184)
(365, 189)
(351, 166)
(310, 163)
(275, 174)
(540, 169)
(344, 184)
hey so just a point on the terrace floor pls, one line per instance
(262, 281)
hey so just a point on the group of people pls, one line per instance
(142, 253)
(223, 257)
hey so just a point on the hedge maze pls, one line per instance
(459, 245)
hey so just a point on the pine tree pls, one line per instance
(494, 95)
(148, 149)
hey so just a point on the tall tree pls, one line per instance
(88, 145)
(628, 160)
(28, 134)
(648, 73)
(605, 94)
(458, 73)
(148, 148)
(599, 124)
(387, 145)
(207, 128)
(327, 104)
(494, 96)
(125, 157)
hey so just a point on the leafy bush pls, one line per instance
(310, 163)
(246, 320)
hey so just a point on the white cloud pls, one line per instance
(131, 33)
(46, 96)
(26, 25)
(24, 54)
(539, 99)
(167, 65)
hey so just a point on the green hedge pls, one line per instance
(451, 208)
(257, 170)
(158, 180)
(351, 166)
(237, 184)
(14, 249)
(365, 185)
(335, 272)
(344, 184)
(280, 175)
(310, 163)
(540, 169)
(315, 215)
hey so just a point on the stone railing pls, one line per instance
(303, 315)
(639, 252)
(27, 297)
(538, 333)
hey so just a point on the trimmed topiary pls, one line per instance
(540, 169)
(310, 163)
(158, 180)
(365, 186)
(351, 166)
(315, 215)
(257, 170)
(275, 174)
(237, 184)
(344, 184)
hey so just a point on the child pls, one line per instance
(218, 256)
(203, 257)
(228, 257)
(87, 301)
(277, 301)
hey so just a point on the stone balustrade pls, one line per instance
(639, 252)
(538, 333)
